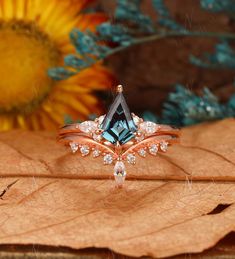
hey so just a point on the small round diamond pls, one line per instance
(97, 137)
(96, 153)
(142, 152)
(164, 146)
(88, 126)
(139, 137)
(148, 127)
(136, 119)
(84, 150)
(131, 159)
(74, 147)
(108, 159)
(153, 149)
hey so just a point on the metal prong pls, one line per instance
(119, 89)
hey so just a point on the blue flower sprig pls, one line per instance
(131, 26)
(184, 108)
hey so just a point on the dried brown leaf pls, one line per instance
(167, 206)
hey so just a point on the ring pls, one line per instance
(118, 137)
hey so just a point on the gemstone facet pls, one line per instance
(142, 152)
(96, 152)
(164, 146)
(118, 125)
(153, 149)
(131, 159)
(97, 137)
(74, 147)
(108, 159)
(148, 127)
(85, 150)
(119, 173)
(88, 126)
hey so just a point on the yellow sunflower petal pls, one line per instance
(103, 78)
(20, 9)
(7, 8)
(49, 101)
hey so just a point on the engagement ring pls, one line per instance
(118, 137)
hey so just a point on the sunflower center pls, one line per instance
(26, 53)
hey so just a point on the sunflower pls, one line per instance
(34, 36)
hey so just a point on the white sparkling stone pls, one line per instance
(153, 149)
(136, 119)
(100, 119)
(139, 138)
(108, 159)
(142, 152)
(74, 147)
(148, 127)
(119, 173)
(96, 153)
(88, 126)
(97, 137)
(85, 150)
(164, 146)
(131, 159)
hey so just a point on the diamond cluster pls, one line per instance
(152, 149)
(145, 128)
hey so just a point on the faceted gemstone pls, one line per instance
(139, 137)
(164, 146)
(100, 119)
(119, 173)
(131, 159)
(136, 119)
(96, 153)
(153, 149)
(97, 137)
(148, 127)
(74, 147)
(84, 150)
(108, 159)
(142, 152)
(88, 126)
(118, 125)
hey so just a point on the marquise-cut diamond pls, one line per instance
(119, 173)
(153, 149)
(142, 152)
(148, 127)
(131, 159)
(164, 146)
(108, 159)
(85, 150)
(96, 153)
(88, 126)
(74, 147)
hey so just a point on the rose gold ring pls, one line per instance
(118, 137)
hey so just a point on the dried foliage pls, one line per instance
(168, 205)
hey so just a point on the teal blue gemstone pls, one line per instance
(118, 125)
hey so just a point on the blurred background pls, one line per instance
(61, 60)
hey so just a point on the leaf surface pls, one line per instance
(167, 207)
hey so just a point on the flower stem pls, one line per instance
(162, 35)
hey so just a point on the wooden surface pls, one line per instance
(225, 249)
